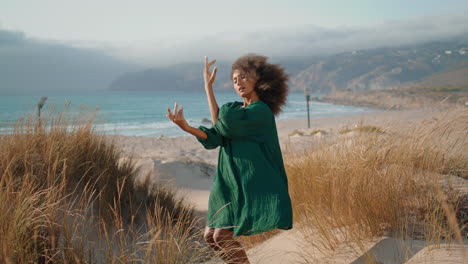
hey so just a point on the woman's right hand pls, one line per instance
(178, 117)
(209, 76)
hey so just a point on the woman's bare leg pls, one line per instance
(231, 250)
(208, 235)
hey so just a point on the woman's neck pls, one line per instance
(248, 100)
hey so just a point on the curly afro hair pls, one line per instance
(271, 79)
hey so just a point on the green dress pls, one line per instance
(249, 194)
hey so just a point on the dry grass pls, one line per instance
(373, 184)
(66, 196)
(362, 129)
(316, 131)
(296, 132)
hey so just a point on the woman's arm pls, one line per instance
(209, 78)
(196, 132)
(213, 105)
(179, 119)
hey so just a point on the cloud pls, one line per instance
(307, 40)
(28, 65)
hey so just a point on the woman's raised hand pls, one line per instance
(178, 117)
(209, 76)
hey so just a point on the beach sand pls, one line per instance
(185, 164)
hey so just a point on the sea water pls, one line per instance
(144, 113)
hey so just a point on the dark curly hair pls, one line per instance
(271, 79)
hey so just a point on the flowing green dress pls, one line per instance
(249, 194)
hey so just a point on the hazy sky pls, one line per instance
(160, 31)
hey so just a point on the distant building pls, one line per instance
(448, 52)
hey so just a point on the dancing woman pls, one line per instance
(249, 194)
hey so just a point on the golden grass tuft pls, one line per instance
(344, 131)
(369, 129)
(296, 132)
(391, 183)
(317, 131)
(66, 196)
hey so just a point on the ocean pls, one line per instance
(144, 113)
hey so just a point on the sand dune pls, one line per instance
(185, 164)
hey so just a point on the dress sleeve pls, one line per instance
(237, 122)
(214, 140)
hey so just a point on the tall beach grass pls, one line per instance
(393, 182)
(67, 196)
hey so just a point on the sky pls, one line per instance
(167, 32)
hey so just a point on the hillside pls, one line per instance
(373, 69)
(456, 76)
(379, 69)
(419, 96)
(184, 77)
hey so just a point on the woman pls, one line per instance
(249, 194)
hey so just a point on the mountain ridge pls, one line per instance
(371, 69)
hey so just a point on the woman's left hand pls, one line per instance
(209, 77)
(178, 117)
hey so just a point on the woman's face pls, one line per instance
(243, 85)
